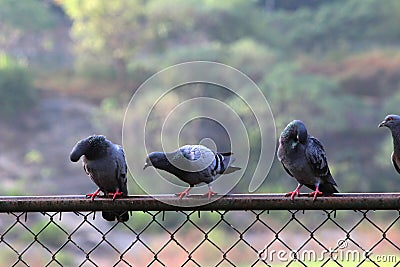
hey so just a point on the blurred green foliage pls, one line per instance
(332, 24)
(333, 64)
(324, 62)
(26, 15)
(17, 92)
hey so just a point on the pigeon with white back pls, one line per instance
(193, 164)
(304, 158)
(104, 162)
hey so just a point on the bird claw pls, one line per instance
(210, 193)
(292, 194)
(114, 195)
(182, 194)
(94, 194)
(315, 194)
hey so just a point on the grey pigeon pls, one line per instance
(304, 158)
(105, 164)
(193, 164)
(393, 123)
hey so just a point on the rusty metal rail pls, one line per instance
(349, 201)
(234, 230)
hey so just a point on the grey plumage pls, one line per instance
(393, 123)
(304, 158)
(105, 164)
(193, 164)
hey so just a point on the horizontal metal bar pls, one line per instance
(352, 201)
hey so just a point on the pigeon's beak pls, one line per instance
(146, 165)
(383, 123)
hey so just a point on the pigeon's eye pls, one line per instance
(390, 119)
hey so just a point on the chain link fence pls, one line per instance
(37, 235)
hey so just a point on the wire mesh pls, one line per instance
(202, 238)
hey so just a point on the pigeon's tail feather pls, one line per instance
(231, 169)
(327, 189)
(121, 216)
(227, 160)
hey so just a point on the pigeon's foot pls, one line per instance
(210, 193)
(294, 193)
(315, 193)
(94, 194)
(184, 193)
(115, 195)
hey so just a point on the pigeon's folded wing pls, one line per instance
(121, 170)
(316, 157)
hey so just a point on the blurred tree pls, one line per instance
(332, 24)
(26, 15)
(109, 33)
(21, 26)
(253, 58)
(271, 5)
(294, 94)
(329, 91)
(16, 87)
(119, 34)
(199, 22)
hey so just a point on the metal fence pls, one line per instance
(236, 230)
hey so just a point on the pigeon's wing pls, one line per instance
(196, 152)
(316, 157)
(206, 162)
(91, 172)
(121, 176)
(121, 169)
(396, 162)
(218, 163)
(286, 169)
(204, 155)
(280, 154)
(200, 157)
(188, 152)
(85, 168)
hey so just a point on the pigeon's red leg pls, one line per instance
(294, 193)
(94, 194)
(210, 192)
(184, 193)
(116, 194)
(315, 193)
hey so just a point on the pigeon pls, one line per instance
(393, 123)
(104, 162)
(193, 164)
(304, 158)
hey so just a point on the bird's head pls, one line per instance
(295, 132)
(147, 163)
(155, 159)
(89, 147)
(390, 121)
